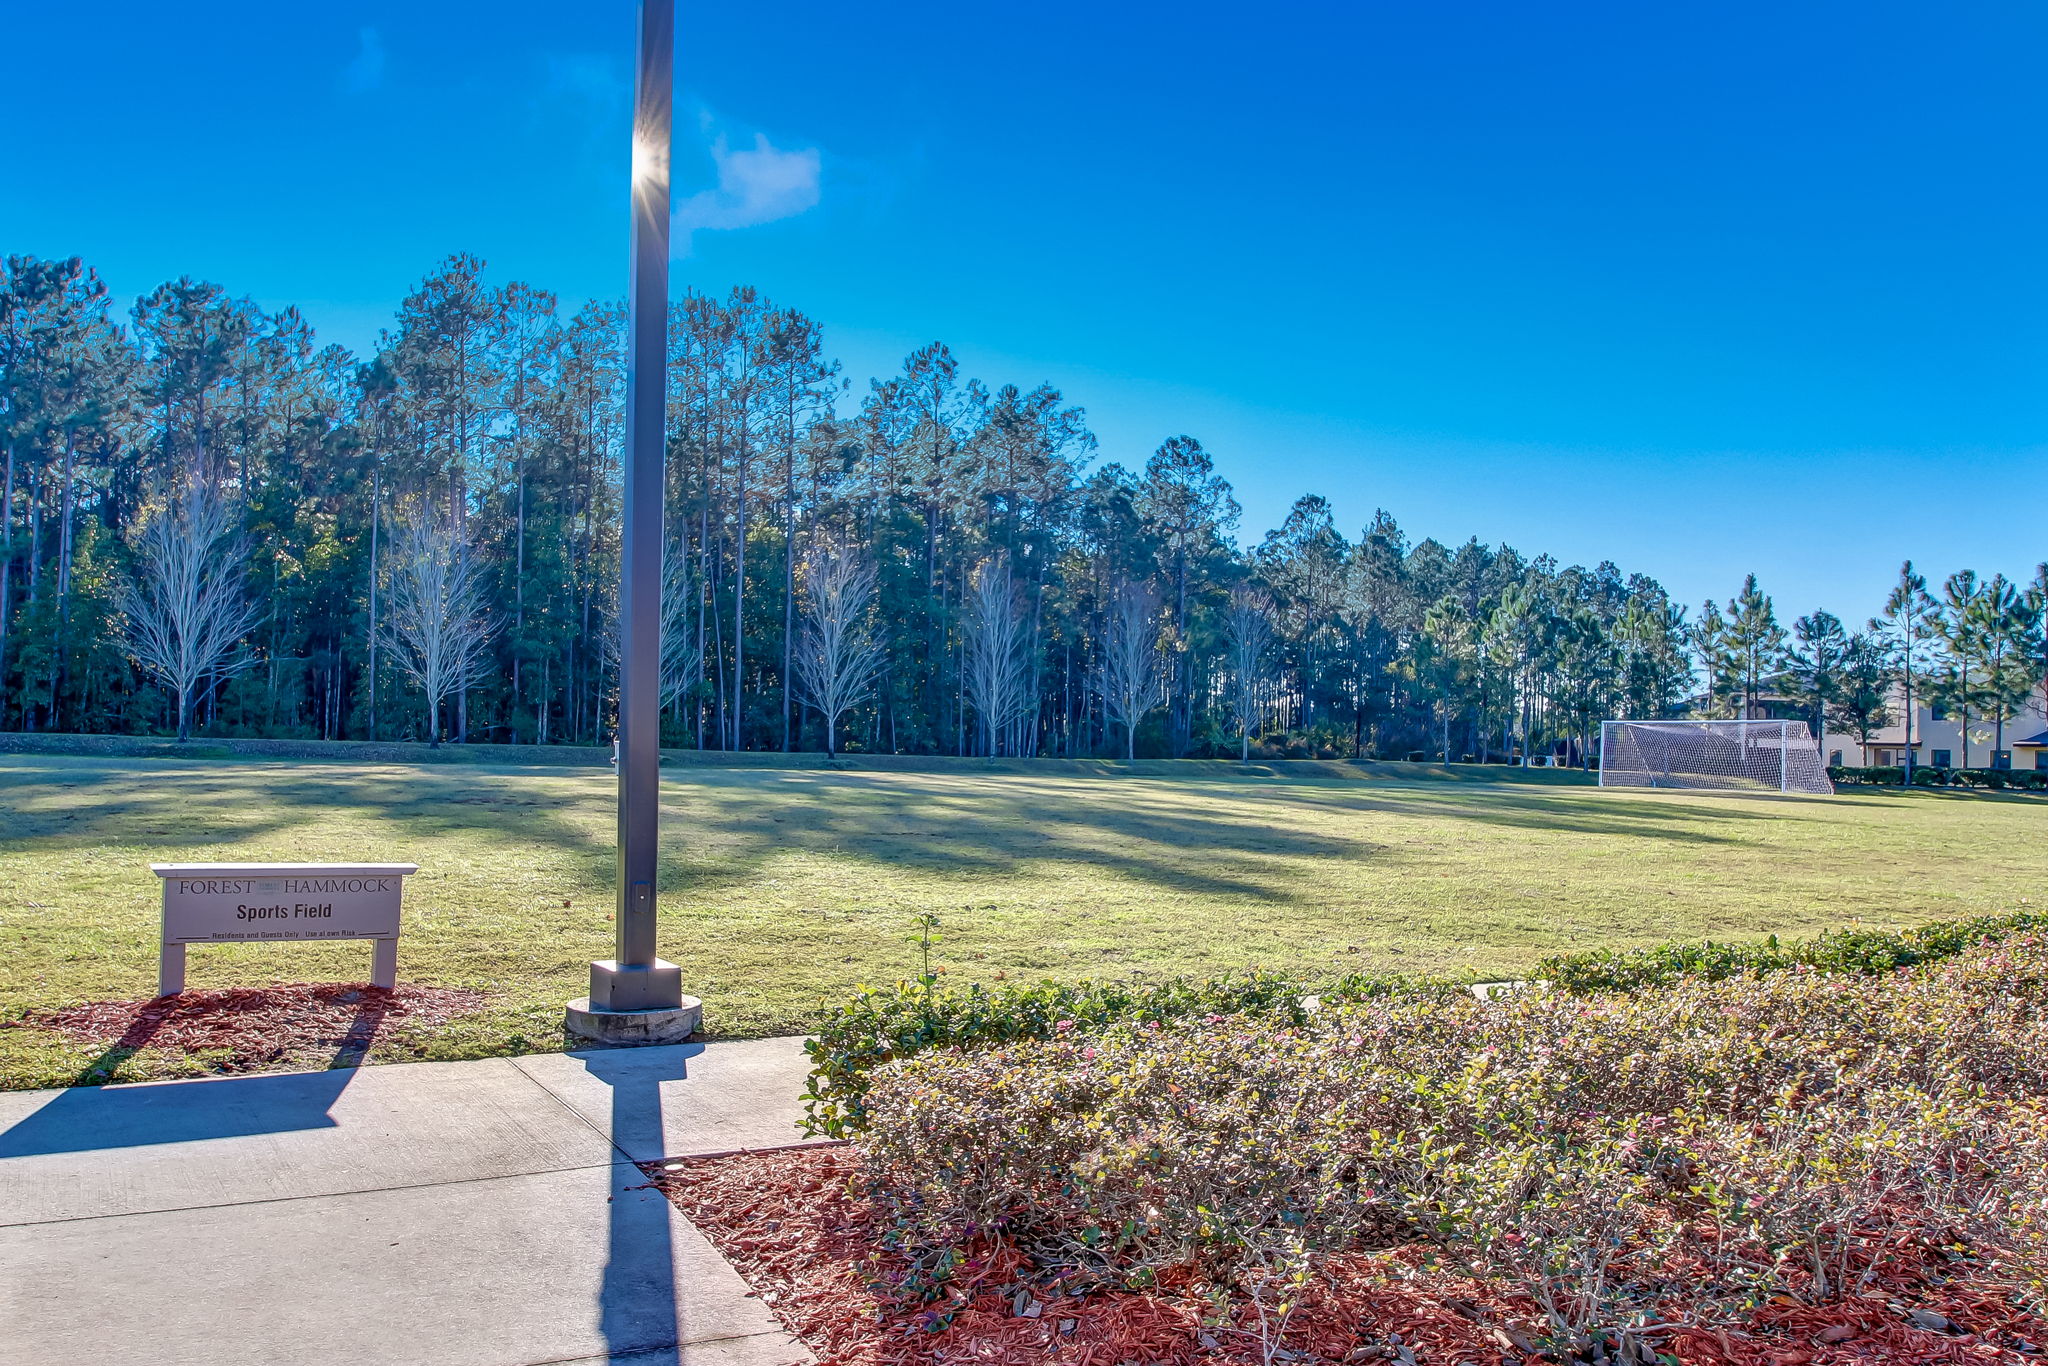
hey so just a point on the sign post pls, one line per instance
(635, 997)
(256, 903)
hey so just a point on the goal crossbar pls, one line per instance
(1736, 755)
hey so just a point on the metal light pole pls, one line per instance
(636, 997)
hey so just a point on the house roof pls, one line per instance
(2038, 740)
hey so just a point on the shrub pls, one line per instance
(1560, 1217)
(1991, 1181)
(1866, 775)
(1924, 775)
(1617, 1158)
(2000, 779)
(1143, 1147)
(880, 1024)
(1852, 950)
(1805, 1197)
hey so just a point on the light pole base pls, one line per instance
(643, 986)
(670, 1024)
(642, 1003)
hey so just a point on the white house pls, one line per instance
(1938, 738)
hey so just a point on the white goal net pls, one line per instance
(1777, 756)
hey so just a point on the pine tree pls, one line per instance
(1862, 704)
(1813, 667)
(1903, 632)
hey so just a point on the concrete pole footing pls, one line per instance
(672, 1024)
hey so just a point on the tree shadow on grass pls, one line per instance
(921, 821)
(1574, 810)
(165, 810)
(1211, 836)
(1222, 839)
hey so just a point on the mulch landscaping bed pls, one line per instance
(800, 1228)
(245, 1029)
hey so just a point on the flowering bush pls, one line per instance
(1621, 1159)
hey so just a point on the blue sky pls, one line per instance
(1703, 290)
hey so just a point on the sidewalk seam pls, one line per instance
(580, 1117)
(629, 1352)
(321, 1195)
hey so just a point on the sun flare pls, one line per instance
(649, 160)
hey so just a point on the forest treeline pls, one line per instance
(213, 523)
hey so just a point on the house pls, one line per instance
(1939, 742)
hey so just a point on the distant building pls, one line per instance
(1938, 739)
(1939, 742)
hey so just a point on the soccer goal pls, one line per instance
(1745, 755)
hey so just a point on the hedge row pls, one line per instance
(1615, 1164)
(1855, 951)
(880, 1024)
(1894, 775)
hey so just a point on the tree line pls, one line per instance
(212, 523)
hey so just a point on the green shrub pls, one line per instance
(1764, 1136)
(880, 1024)
(1849, 951)
(1924, 775)
(1867, 775)
(2001, 779)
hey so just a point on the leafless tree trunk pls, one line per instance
(186, 613)
(438, 628)
(1248, 634)
(996, 674)
(682, 660)
(838, 658)
(376, 528)
(1128, 677)
(6, 567)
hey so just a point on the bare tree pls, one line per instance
(187, 613)
(838, 658)
(436, 623)
(1248, 635)
(682, 662)
(1128, 675)
(997, 676)
(682, 655)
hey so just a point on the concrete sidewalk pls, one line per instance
(471, 1213)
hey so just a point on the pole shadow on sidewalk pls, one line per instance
(641, 1313)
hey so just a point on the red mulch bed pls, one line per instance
(800, 1228)
(249, 1028)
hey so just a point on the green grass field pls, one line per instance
(783, 887)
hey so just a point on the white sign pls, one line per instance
(239, 903)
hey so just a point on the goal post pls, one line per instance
(1752, 756)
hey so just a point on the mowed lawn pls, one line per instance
(783, 888)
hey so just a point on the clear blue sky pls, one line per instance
(1701, 289)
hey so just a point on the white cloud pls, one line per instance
(365, 71)
(759, 184)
